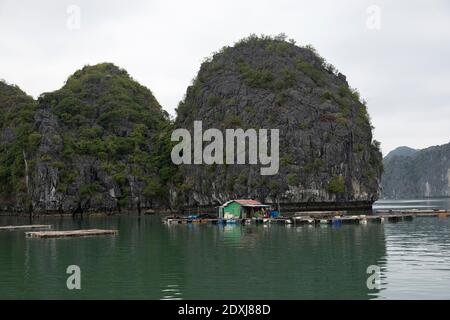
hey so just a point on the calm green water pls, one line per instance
(150, 260)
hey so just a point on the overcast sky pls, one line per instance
(396, 53)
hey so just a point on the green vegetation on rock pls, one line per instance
(336, 185)
(18, 141)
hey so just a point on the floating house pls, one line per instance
(242, 209)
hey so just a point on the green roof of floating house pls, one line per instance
(237, 208)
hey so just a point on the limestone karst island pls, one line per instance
(102, 142)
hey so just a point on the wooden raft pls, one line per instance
(27, 227)
(70, 233)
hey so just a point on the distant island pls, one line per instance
(410, 173)
(400, 151)
(102, 142)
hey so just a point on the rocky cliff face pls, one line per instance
(326, 149)
(17, 144)
(98, 145)
(424, 173)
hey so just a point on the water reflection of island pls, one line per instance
(280, 262)
(149, 260)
